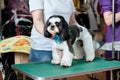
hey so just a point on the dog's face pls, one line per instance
(56, 25)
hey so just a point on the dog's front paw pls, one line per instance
(55, 61)
(90, 58)
(67, 61)
(78, 57)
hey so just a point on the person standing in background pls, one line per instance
(15, 11)
(106, 8)
(41, 10)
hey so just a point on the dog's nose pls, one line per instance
(52, 27)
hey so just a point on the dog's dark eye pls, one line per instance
(57, 23)
(49, 23)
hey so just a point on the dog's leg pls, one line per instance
(66, 59)
(89, 50)
(78, 51)
(87, 44)
(57, 54)
(67, 56)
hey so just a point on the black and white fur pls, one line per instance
(68, 46)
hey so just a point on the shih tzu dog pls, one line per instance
(68, 42)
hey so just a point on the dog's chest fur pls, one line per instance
(59, 45)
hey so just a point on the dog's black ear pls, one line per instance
(46, 33)
(65, 29)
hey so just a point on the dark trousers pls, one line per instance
(108, 56)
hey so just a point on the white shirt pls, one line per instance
(50, 7)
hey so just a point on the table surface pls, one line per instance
(46, 70)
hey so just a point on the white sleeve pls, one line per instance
(73, 6)
(36, 4)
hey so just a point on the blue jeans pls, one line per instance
(40, 55)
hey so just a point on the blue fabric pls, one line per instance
(40, 55)
(57, 39)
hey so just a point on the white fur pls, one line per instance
(61, 52)
(87, 49)
(62, 55)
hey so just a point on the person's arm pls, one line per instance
(38, 20)
(108, 17)
(72, 19)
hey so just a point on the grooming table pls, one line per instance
(48, 71)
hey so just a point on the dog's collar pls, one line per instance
(57, 38)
